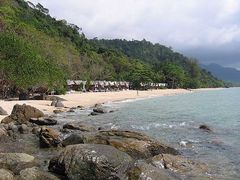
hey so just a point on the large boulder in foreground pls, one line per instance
(137, 145)
(15, 161)
(35, 173)
(49, 137)
(6, 175)
(22, 114)
(91, 161)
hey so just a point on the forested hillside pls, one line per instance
(38, 50)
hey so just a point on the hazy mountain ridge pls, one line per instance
(225, 73)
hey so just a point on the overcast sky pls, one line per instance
(206, 29)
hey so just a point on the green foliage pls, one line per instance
(38, 50)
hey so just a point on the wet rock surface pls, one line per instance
(143, 171)
(81, 127)
(205, 128)
(136, 144)
(35, 173)
(91, 161)
(49, 137)
(44, 121)
(84, 151)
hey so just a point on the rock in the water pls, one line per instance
(57, 111)
(49, 137)
(6, 175)
(59, 104)
(94, 113)
(15, 161)
(91, 161)
(3, 112)
(136, 144)
(178, 164)
(35, 173)
(44, 121)
(73, 139)
(205, 127)
(53, 103)
(100, 110)
(22, 114)
(143, 171)
(81, 127)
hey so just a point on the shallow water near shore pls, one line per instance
(175, 120)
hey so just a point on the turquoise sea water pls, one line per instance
(175, 120)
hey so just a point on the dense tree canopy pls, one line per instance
(38, 50)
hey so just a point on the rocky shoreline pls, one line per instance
(33, 146)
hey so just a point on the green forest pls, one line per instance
(39, 50)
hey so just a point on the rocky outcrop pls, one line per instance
(15, 161)
(136, 144)
(3, 112)
(35, 173)
(44, 121)
(80, 127)
(22, 114)
(100, 110)
(6, 175)
(91, 161)
(178, 164)
(143, 171)
(49, 137)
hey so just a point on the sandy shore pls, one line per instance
(91, 98)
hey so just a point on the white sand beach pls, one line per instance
(91, 98)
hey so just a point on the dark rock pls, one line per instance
(35, 173)
(22, 114)
(81, 127)
(80, 107)
(23, 96)
(73, 139)
(49, 137)
(100, 110)
(53, 103)
(6, 175)
(57, 111)
(91, 161)
(179, 164)
(143, 171)
(23, 129)
(16, 161)
(40, 97)
(59, 104)
(205, 127)
(43, 121)
(94, 113)
(136, 144)
(3, 112)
